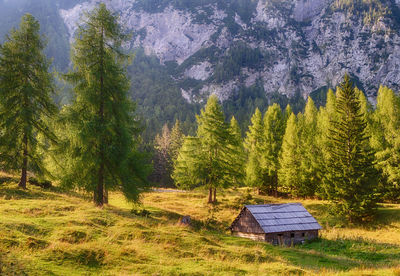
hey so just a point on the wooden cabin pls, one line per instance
(279, 224)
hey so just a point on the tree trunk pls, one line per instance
(210, 195)
(215, 195)
(99, 193)
(276, 184)
(105, 195)
(99, 198)
(22, 182)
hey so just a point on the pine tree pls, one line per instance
(254, 145)
(102, 130)
(350, 177)
(386, 141)
(309, 151)
(289, 171)
(25, 98)
(204, 159)
(274, 129)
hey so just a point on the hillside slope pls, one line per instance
(58, 233)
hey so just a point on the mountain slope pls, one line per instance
(248, 52)
(291, 46)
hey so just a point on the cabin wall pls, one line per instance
(252, 236)
(284, 238)
(290, 238)
(246, 223)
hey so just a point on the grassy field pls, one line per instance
(51, 232)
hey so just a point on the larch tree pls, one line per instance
(26, 105)
(289, 171)
(189, 169)
(326, 115)
(100, 150)
(274, 129)
(385, 140)
(204, 159)
(309, 151)
(288, 111)
(254, 145)
(351, 176)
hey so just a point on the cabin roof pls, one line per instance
(283, 217)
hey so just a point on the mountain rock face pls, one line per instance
(286, 46)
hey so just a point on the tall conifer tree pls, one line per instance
(254, 145)
(274, 129)
(289, 172)
(309, 151)
(189, 168)
(25, 98)
(205, 159)
(386, 141)
(103, 130)
(351, 177)
(326, 115)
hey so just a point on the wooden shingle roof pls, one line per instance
(283, 217)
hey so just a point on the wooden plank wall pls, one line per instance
(247, 223)
(252, 236)
(285, 238)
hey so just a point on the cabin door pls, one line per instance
(280, 239)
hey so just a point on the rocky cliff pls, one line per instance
(286, 46)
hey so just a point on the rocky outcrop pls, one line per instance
(304, 44)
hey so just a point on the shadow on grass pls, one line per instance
(10, 190)
(387, 215)
(341, 254)
(13, 192)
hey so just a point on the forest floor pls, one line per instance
(54, 232)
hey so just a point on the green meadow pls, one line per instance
(55, 232)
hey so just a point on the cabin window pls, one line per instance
(303, 234)
(280, 235)
(292, 235)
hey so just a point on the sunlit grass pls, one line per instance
(53, 232)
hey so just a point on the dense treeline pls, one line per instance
(346, 151)
(90, 144)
